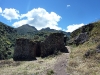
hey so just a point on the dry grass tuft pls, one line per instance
(10, 67)
(79, 65)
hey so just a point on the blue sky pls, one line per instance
(66, 15)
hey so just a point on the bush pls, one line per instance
(50, 72)
(90, 53)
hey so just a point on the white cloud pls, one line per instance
(73, 27)
(68, 5)
(0, 10)
(10, 13)
(20, 23)
(39, 18)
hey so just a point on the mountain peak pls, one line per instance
(26, 28)
(26, 25)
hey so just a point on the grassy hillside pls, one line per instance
(92, 29)
(79, 64)
(7, 39)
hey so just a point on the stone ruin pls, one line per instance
(26, 49)
(53, 44)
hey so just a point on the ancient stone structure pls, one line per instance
(53, 44)
(24, 50)
(29, 50)
(38, 48)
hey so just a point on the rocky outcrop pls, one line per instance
(24, 50)
(81, 38)
(98, 49)
(53, 44)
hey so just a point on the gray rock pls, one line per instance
(81, 38)
(98, 49)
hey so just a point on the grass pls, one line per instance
(50, 72)
(79, 65)
(10, 67)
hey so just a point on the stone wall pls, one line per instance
(53, 44)
(24, 50)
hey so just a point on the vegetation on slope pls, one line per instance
(79, 63)
(7, 39)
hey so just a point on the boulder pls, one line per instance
(90, 53)
(24, 50)
(53, 44)
(81, 38)
(98, 48)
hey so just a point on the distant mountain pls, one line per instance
(28, 30)
(53, 30)
(24, 29)
(48, 30)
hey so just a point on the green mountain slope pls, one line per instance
(93, 30)
(7, 39)
(25, 29)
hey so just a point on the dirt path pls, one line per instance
(60, 67)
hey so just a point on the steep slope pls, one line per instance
(85, 58)
(91, 29)
(87, 28)
(7, 39)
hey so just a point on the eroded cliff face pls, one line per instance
(24, 50)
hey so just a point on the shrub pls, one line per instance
(50, 72)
